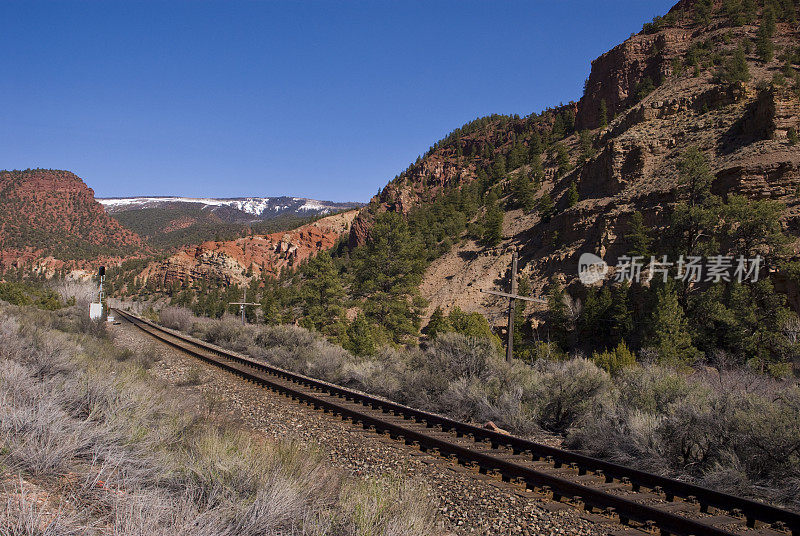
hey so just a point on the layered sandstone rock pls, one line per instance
(236, 261)
(616, 74)
(741, 127)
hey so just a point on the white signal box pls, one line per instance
(95, 311)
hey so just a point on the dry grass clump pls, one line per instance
(289, 347)
(730, 429)
(76, 414)
(82, 291)
(22, 515)
(372, 511)
(178, 318)
(569, 390)
(69, 319)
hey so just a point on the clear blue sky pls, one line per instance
(317, 99)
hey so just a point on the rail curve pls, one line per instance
(637, 499)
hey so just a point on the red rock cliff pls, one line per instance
(53, 213)
(230, 261)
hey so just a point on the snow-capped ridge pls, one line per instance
(254, 206)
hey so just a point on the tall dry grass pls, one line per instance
(121, 453)
(83, 291)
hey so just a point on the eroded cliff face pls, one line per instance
(616, 74)
(49, 219)
(236, 261)
(744, 136)
(742, 128)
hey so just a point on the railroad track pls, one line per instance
(637, 500)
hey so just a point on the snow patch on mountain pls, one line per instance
(255, 206)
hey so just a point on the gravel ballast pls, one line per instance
(468, 503)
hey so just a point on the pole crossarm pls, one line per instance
(514, 296)
(511, 309)
(242, 304)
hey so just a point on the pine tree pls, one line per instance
(387, 271)
(537, 171)
(734, 69)
(230, 295)
(218, 303)
(469, 202)
(676, 64)
(322, 293)
(558, 318)
(471, 325)
(621, 314)
(764, 47)
(361, 337)
(696, 176)
(750, 9)
(792, 136)
(638, 237)
(499, 168)
(185, 298)
(603, 113)
(517, 156)
(562, 159)
(483, 180)
(438, 323)
(269, 309)
(753, 227)
(572, 195)
(756, 333)
(546, 207)
(734, 11)
(697, 215)
(535, 147)
(593, 322)
(493, 225)
(644, 88)
(524, 193)
(559, 130)
(616, 360)
(521, 324)
(547, 140)
(768, 20)
(669, 332)
(766, 31)
(491, 198)
(702, 12)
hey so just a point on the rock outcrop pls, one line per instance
(49, 219)
(236, 261)
(741, 124)
(616, 74)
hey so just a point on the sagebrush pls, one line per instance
(728, 428)
(120, 452)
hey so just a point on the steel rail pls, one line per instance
(625, 509)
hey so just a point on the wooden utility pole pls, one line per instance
(242, 304)
(512, 296)
(511, 308)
